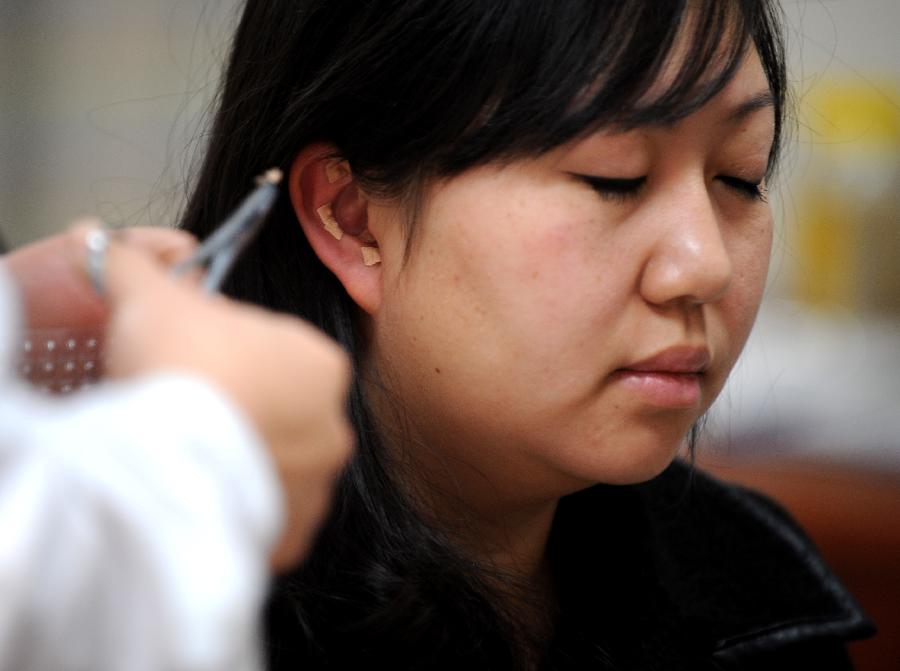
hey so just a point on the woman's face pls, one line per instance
(564, 320)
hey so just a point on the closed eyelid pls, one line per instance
(753, 189)
(612, 188)
(622, 183)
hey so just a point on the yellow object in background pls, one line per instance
(848, 203)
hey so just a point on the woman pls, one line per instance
(541, 230)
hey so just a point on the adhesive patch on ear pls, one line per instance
(336, 171)
(370, 255)
(331, 225)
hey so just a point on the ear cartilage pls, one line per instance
(331, 225)
(370, 255)
(336, 171)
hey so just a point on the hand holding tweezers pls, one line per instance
(221, 249)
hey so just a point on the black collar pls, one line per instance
(686, 568)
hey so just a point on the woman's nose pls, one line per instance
(689, 260)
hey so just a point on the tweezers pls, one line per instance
(220, 250)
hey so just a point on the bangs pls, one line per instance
(571, 68)
(408, 91)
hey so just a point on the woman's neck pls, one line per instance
(493, 512)
(510, 548)
(505, 537)
(504, 533)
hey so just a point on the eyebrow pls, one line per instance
(759, 101)
(762, 100)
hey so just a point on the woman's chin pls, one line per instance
(629, 461)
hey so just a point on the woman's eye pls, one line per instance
(613, 188)
(751, 190)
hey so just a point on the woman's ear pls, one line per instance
(334, 215)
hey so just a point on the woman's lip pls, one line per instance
(664, 389)
(677, 359)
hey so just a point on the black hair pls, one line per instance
(409, 91)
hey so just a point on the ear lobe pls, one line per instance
(333, 213)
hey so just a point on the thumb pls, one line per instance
(129, 271)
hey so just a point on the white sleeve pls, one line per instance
(135, 525)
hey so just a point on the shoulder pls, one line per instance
(694, 571)
(741, 565)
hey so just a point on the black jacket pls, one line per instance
(683, 573)
(687, 572)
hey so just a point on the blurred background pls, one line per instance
(103, 107)
(103, 111)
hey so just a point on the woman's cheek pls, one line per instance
(751, 264)
(753, 268)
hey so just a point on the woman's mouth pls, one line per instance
(669, 379)
(663, 389)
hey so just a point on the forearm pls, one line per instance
(138, 520)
